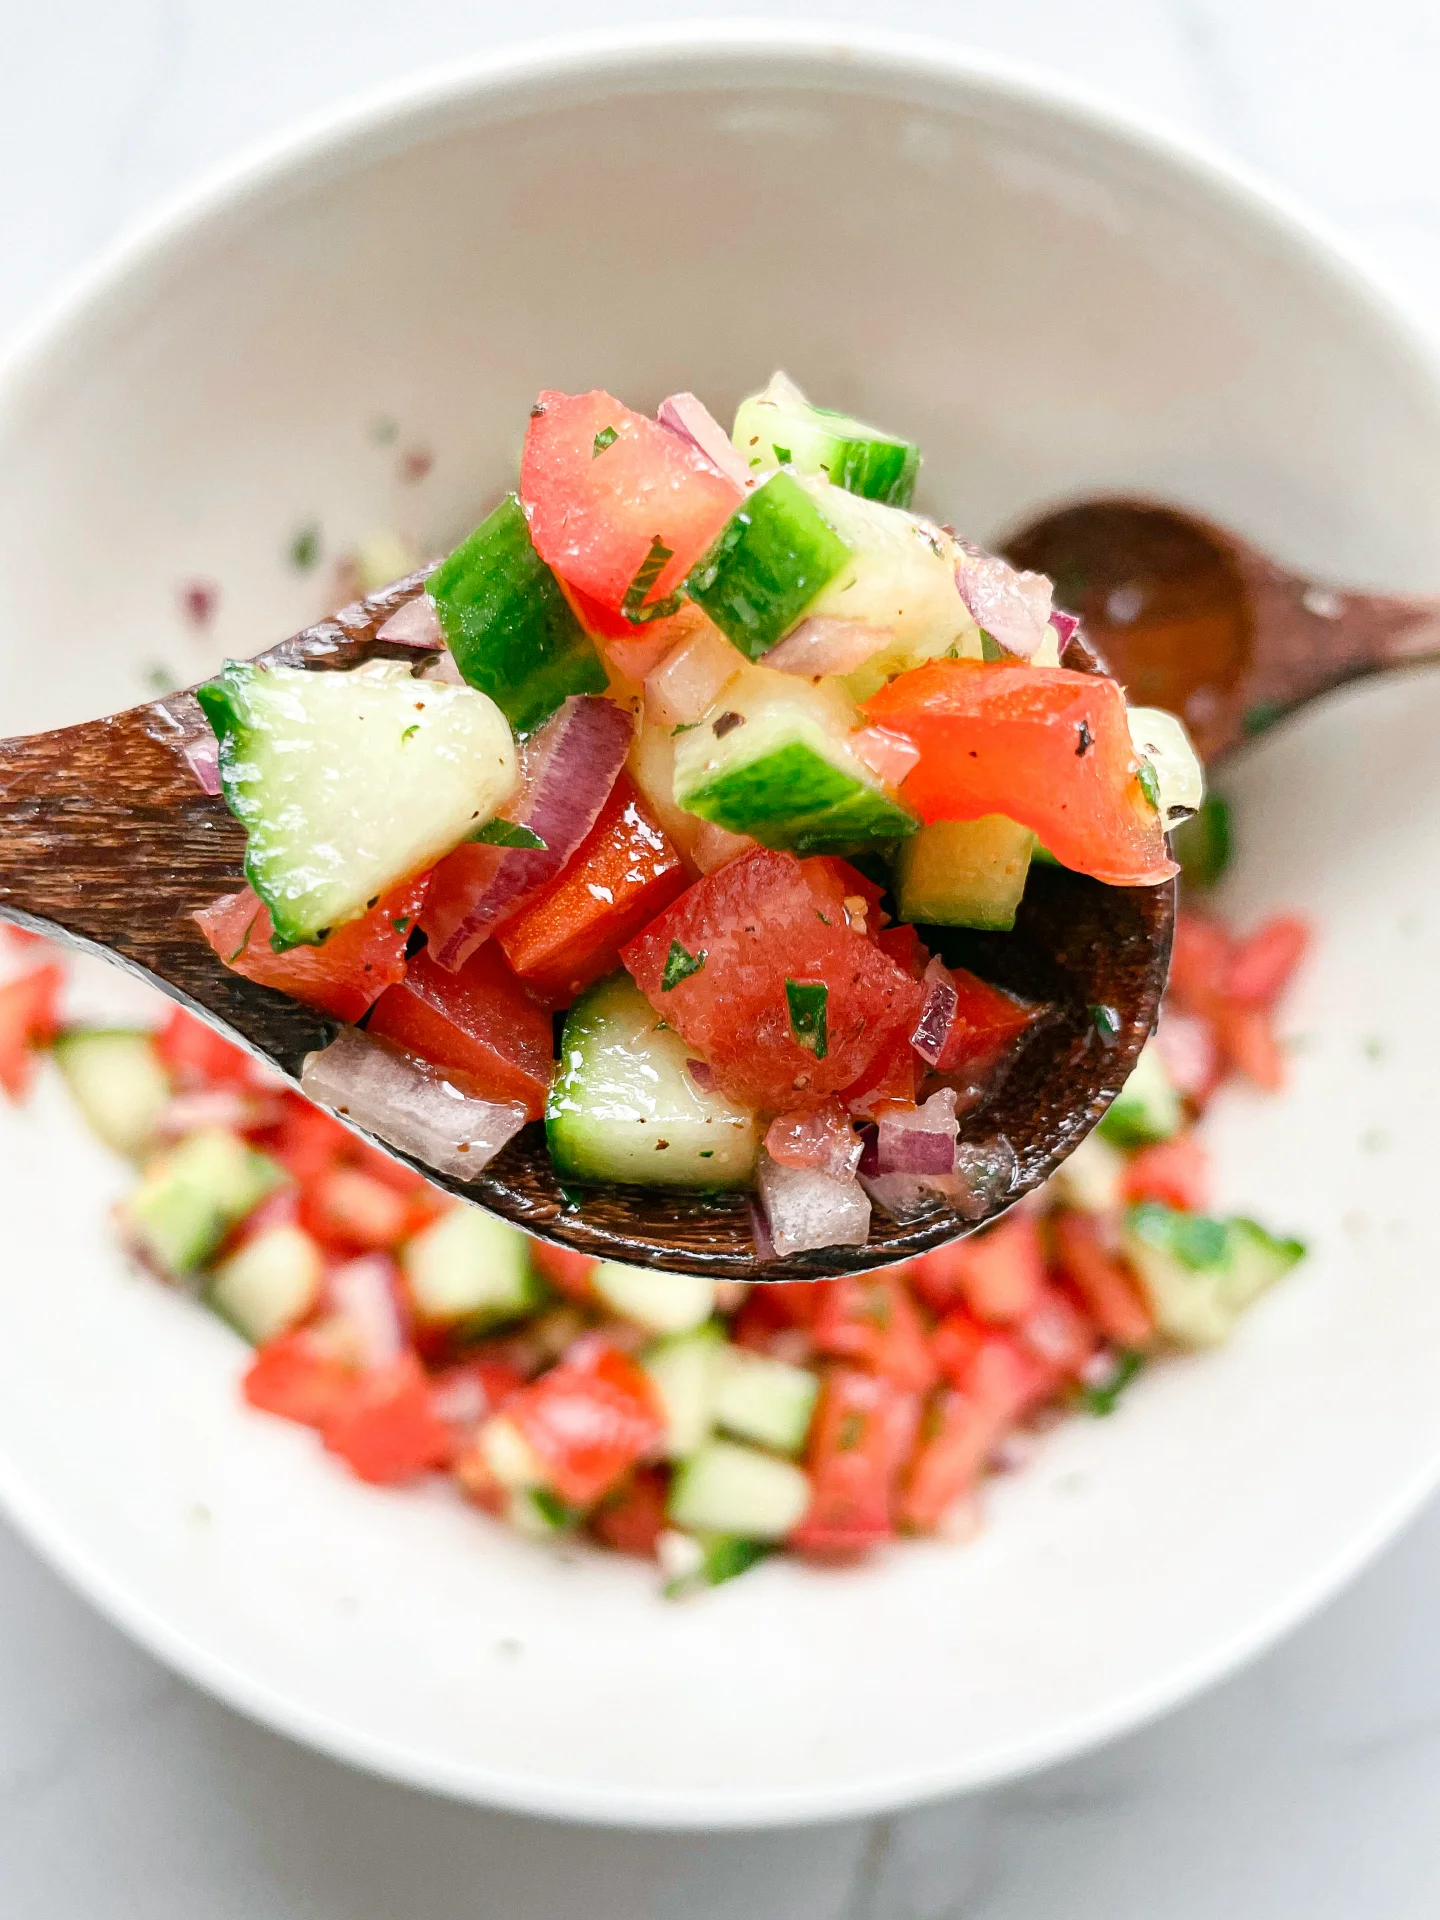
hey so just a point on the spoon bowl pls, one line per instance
(108, 842)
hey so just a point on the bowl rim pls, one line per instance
(332, 137)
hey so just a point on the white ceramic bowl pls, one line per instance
(1049, 298)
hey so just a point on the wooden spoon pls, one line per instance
(107, 842)
(1191, 618)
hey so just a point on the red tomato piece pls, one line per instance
(624, 872)
(386, 1428)
(589, 1419)
(631, 1519)
(1059, 1333)
(864, 1428)
(895, 1073)
(469, 1391)
(349, 1212)
(1191, 1053)
(1102, 1280)
(871, 1319)
(604, 488)
(999, 1274)
(478, 1025)
(631, 651)
(1047, 746)
(761, 921)
(904, 947)
(343, 976)
(567, 1271)
(775, 1318)
(986, 1023)
(29, 1018)
(1199, 965)
(1262, 965)
(991, 1367)
(957, 1437)
(196, 1057)
(307, 1141)
(1248, 1043)
(1175, 1172)
(294, 1377)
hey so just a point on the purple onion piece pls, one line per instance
(869, 1150)
(760, 1231)
(703, 1074)
(416, 624)
(914, 1150)
(203, 759)
(683, 414)
(1012, 607)
(1065, 625)
(937, 1015)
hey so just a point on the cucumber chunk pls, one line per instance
(469, 1268)
(118, 1084)
(726, 1488)
(623, 1107)
(964, 873)
(683, 1370)
(1198, 1274)
(1092, 1179)
(772, 759)
(773, 556)
(510, 628)
(1161, 740)
(1203, 845)
(191, 1197)
(269, 1284)
(349, 783)
(780, 428)
(1147, 1108)
(765, 1400)
(664, 1302)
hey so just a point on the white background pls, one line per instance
(1308, 1786)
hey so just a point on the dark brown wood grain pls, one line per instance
(108, 843)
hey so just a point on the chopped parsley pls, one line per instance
(1106, 1022)
(651, 567)
(1193, 1239)
(551, 1508)
(409, 730)
(1101, 1400)
(506, 833)
(782, 454)
(1149, 782)
(807, 1001)
(679, 965)
(990, 648)
(401, 925)
(606, 437)
(305, 548)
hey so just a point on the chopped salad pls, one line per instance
(700, 1425)
(696, 741)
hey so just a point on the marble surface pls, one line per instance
(1305, 1786)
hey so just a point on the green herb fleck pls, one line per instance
(807, 1001)
(401, 925)
(384, 431)
(606, 437)
(250, 928)
(1101, 1400)
(305, 548)
(990, 648)
(707, 1153)
(551, 1508)
(685, 726)
(160, 678)
(852, 1432)
(1194, 1239)
(651, 567)
(679, 965)
(1203, 843)
(1263, 714)
(409, 730)
(756, 461)
(1106, 1022)
(505, 833)
(1149, 783)
(823, 918)
(782, 454)
(1374, 1048)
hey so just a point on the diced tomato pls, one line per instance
(631, 1519)
(1264, 962)
(863, 1431)
(904, 947)
(605, 489)
(29, 1018)
(386, 1428)
(294, 1377)
(307, 1141)
(589, 1419)
(1248, 1043)
(479, 1025)
(624, 872)
(22, 939)
(348, 1211)
(775, 1318)
(567, 1271)
(633, 651)
(196, 1056)
(1059, 1333)
(1175, 1172)
(469, 1391)
(998, 1274)
(1047, 746)
(986, 1023)
(343, 976)
(764, 920)
(853, 887)
(895, 1073)
(814, 1140)
(1199, 965)
(957, 1437)
(992, 1367)
(871, 1319)
(1102, 1280)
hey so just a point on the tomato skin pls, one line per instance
(1113, 1300)
(1175, 1172)
(386, 1428)
(196, 1057)
(632, 1518)
(1263, 964)
(589, 1419)
(344, 976)
(29, 1018)
(864, 1428)
(349, 1212)
(624, 872)
(761, 919)
(986, 1023)
(477, 1024)
(291, 1377)
(1247, 1040)
(871, 1320)
(567, 1272)
(1047, 746)
(594, 515)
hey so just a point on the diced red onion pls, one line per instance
(409, 1105)
(416, 624)
(918, 1140)
(567, 772)
(889, 756)
(688, 680)
(460, 1400)
(716, 846)
(760, 1231)
(816, 1140)
(232, 1107)
(203, 759)
(823, 645)
(442, 667)
(366, 1293)
(985, 1171)
(703, 1074)
(1012, 607)
(807, 1211)
(937, 1015)
(682, 413)
(1065, 625)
